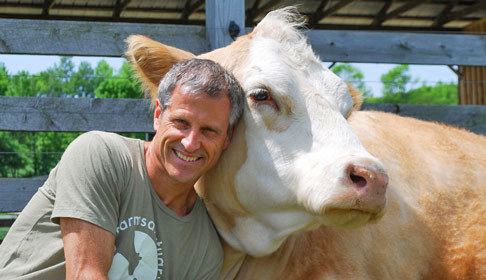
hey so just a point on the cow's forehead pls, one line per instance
(292, 71)
(274, 57)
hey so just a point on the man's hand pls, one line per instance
(88, 249)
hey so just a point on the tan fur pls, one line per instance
(151, 60)
(218, 186)
(356, 96)
(434, 225)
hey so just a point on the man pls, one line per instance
(121, 208)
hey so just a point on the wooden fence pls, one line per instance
(107, 39)
(131, 115)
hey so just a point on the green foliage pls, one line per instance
(122, 86)
(352, 75)
(48, 148)
(21, 84)
(30, 154)
(442, 93)
(15, 157)
(4, 79)
(396, 81)
(3, 232)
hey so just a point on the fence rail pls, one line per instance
(51, 37)
(133, 115)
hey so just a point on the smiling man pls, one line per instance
(121, 208)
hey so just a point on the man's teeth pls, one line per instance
(186, 158)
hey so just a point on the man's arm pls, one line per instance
(88, 249)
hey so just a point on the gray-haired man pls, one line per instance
(121, 208)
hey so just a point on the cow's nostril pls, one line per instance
(358, 180)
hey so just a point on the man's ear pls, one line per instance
(151, 60)
(229, 137)
(157, 113)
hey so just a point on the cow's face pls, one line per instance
(294, 162)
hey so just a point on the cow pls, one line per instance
(313, 188)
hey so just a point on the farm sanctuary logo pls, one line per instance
(138, 253)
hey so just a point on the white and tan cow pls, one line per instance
(297, 196)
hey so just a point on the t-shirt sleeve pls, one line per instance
(88, 179)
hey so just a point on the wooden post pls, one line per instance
(221, 16)
(472, 79)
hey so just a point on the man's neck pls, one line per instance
(180, 198)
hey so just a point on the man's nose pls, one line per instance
(191, 141)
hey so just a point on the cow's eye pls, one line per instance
(260, 94)
(262, 97)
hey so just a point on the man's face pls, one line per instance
(191, 134)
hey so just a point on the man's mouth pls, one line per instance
(185, 158)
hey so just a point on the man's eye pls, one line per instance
(209, 132)
(260, 95)
(181, 123)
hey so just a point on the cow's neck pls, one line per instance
(246, 227)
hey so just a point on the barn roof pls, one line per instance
(413, 15)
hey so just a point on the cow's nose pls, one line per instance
(369, 181)
(367, 177)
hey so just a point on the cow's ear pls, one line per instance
(356, 96)
(151, 60)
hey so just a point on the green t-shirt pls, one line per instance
(101, 178)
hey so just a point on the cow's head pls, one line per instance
(294, 162)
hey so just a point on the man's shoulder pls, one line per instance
(112, 142)
(99, 137)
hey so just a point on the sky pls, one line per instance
(424, 73)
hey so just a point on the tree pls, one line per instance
(4, 79)
(395, 82)
(24, 154)
(15, 160)
(48, 148)
(21, 84)
(440, 94)
(353, 75)
(103, 71)
(122, 85)
(82, 80)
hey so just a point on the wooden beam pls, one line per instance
(331, 10)
(74, 114)
(189, 9)
(49, 37)
(250, 14)
(267, 6)
(380, 17)
(219, 15)
(399, 47)
(62, 38)
(119, 7)
(463, 12)
(46, 6)
(470, 117)
(455, 69)
(16, 192)
(351, 27)
(442, 15)
(88, 8)
(405, 7)
(313, 19)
